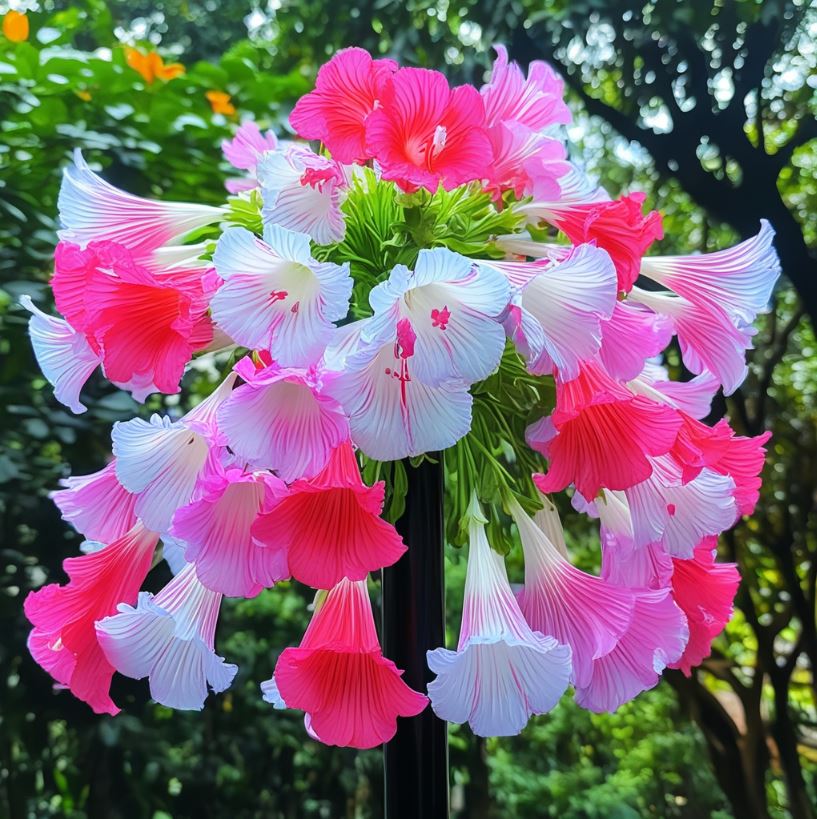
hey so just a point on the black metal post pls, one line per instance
(416, 760)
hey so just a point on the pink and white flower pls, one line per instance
(283, 419)
(277, 297)
(169, 638)
(502, 672)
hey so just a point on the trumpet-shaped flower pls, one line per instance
(282, 419)
(560, 308)
(302, 191)
(169, 638)
(329, 527)
(705, 591)
(425, 134)
(63, 640)
(502, 672)
(347, 90)
(247, 146)
(351, 694)
(275, 296)
(618, 226)
(449, 306)
(710, 339)
(393, 414)
(97, 505)
(579, 610)
(629, 337)
(216, 532)
(64, 355)
(92, 209)
(601, 435)
(655, 639)
(738, 280)
(144, 327)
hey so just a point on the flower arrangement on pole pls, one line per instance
(424, 271)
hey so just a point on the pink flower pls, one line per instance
(517, 110)
(346, 92)
(705, 591)
(502, 672)
(560, 308)
(216, 532)
(742, 460)
(578, 609)
(425, 134)
(97, 505)
(92, 210)
(169, 638)
(535, 102)
(738, 280)
(619, 227)
(655, 639)
(601, 435)
(63, 640)
(329, 527)
(247, 146)
(143, 327)
(710, 339)
(282, 419)
(303, 191)
(351, 694)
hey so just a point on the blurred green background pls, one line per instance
(707, 106)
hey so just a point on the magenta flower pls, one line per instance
(351, 694)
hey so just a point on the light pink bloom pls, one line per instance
(425, 134)
(346, 92)
(664, 509)
(502, 672)
(693, 397)
(705, 591)
(578, 609)
(169, 638)
(64, 355)
(656, 638)
(738, 280)
(351, 694)
(247, 146)
(559, 309)
(517, 110)
(97, 505)
(535, 102)
(629, 337)
(303, 191)
(329, 527)
(275, 296)
(282, 419)
(91, 210)
(63, 640)
(601, 435)
(216, 532)
(710, 339)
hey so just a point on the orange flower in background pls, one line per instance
(151, 66)
(220, 102)
(15, 26)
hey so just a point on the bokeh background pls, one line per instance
(709, 107)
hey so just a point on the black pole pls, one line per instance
(416, 760)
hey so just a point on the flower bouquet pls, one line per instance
(425, 274)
